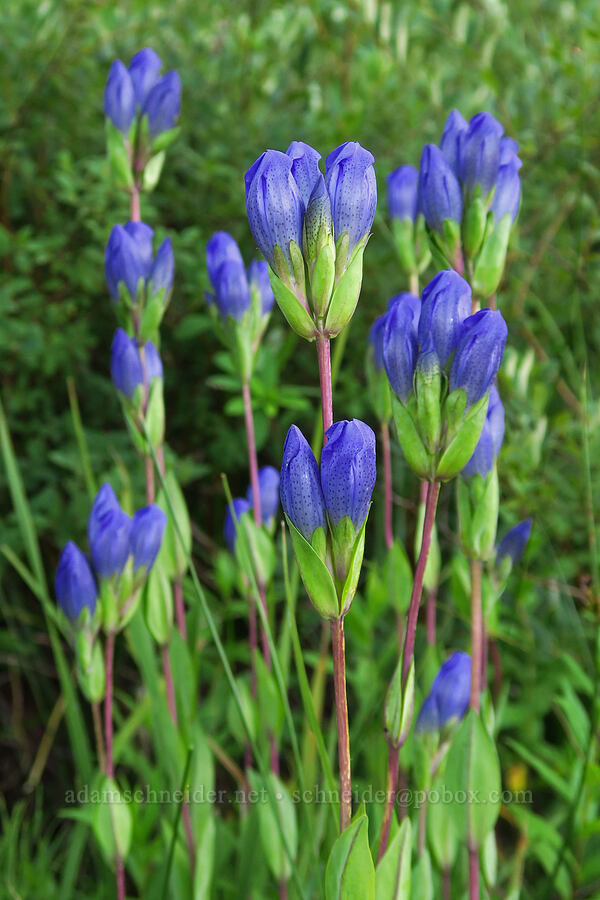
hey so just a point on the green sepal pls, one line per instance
(454, 411)
(410, 440)
(342, 546)
(429, 414)
(165, 139)
(111, 821)
(152, 316)
(118, 157)
(354, 567)
(319, 542)
(460, 450)
(322, 281)
(393, 872)
(92, 677)
(403, 231)
(399, 706)
(473, 225)
(157, 604)
(244, 352)
(489, 265)
(108, 604)
(346, 294)
(296, 314)
(84, 646)
(316, 577)
(451, 238)
(152, 171)
(155, 413)
(298, 269)
(350, 873)
(173, 557)
(341, 254)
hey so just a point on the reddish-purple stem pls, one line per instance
(476, 633)
(392, 787)
(473, 873)
(324, 357)
(341, 708)
(134, 204)
(387, 484)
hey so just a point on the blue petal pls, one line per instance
(144, 70)
(300, 486)
(119, 97)
(75, 585)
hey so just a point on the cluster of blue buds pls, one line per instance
(123, 550)
(469, 193)
(326, 509)
(407, 220)
(448, 699)
(441, 363)
(268, 487)
(312, 230)
(137, 374)
(243, 297)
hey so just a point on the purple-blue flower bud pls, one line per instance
(128, 257)
(240, 506)
(305, 168)
(376, 340)
(400, 348)
(452, 138)
(232, 291)
(75, 585)
(478, 354)
(163, 269)
(449, 695)
(352, 188)
(490, 442)
(274, 204)
(119, 97)
(480, 152)
(144, 70)
(268, 488)
(258, 280)
(507, 195)
(439, 190)
(105, 501)
(125, 364)
(402, 193)
(147, 529)
(348, 471)
(109, 529)
(445, 304)
(222, 247)
(514, 542)
(300, 485)
(163, 103)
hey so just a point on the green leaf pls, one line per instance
(490, 262)
(296, 314)
(484, 523)
(473, 778)
(345, 296)
(461, 447)
(152, 171)
(157, 604)
(118, 157)
(399, 705)
(442, 834)
(350, 874)
(397, 574)
(351, 582)
(315, 575)
(205, 860)
(422, 878)
(173, 551)
(393, 874)
(274, 837)
(111, 820)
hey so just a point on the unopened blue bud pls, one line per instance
(452, 138)
(400, 348)
(268, 487)
(144, 70)
(490, 442)
(163, 269)
(352, 188)
(240, 506)
(514, 542)
(152, 362)
(348, 471)
(75, 585)
(376, 339)
(163, 103)
(439, 190)
(300, 486)
(449, 695)
(305, 168)
(446, 303)
(258, 279)
(232, 291)
(128, 257)
(507, 195)
(478, 354)
(480, 152)
(222, 247)
(125, 364)
(105, 501)
(147, 529)
(274, 204)
(108, 529)
(119, 97)
(317, 218)
(509, 152)
(402, 193)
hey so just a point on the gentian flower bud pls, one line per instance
(400, 348)
(478, 354)
(125, 363)
(446, 303)
(300, 486)
(108, 529)
(439, 190)
(509, 152)
(274, 205)
(507, 195)
(163, 103)
(317, 220)
(119, 97)
(348, 471)
(258, 280)
(452, 138)
(232, 292)
(222, 247)
(490, 442)
(376, 339)
(75, 585)
(147, 529)
(449, 695)
(163, 268)
(514, 542)
(144, 70)
(352, 188)
(268, 486)
(411, 301)
(240, 506)
(153, 362)
(480, 152)
(402, 193)
(128, 257)
(305, 168)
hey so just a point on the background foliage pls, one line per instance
(255, 75)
